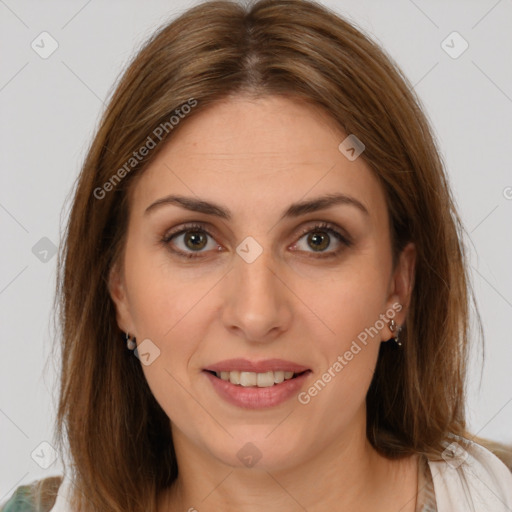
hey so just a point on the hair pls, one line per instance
(118, 437)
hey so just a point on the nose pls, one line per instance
(257, 302)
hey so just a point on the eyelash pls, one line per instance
(321, 226)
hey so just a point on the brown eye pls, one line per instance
(316, 239)
(195, 240)
(190, 241)
(319, 240)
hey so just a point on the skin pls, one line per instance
(255, 157)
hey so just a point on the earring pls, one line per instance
(130, 343)
(392, 327)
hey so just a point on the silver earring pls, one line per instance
(130, 343)
(392, 327)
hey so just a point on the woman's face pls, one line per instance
(224, 270)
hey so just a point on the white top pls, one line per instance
(474, 480)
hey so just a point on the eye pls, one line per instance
(192, 241)
(320, 237)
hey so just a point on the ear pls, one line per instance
(117, 291)
(401, 286)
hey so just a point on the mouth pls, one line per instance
(256, 384)
(257, 390)
(248, 379)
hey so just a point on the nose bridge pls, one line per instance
(256, 301)
(256, 274)
(255, 279)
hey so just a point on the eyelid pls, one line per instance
(189, 226)
(331, 228)
(184, 228)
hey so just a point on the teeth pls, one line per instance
(248, 379)
(233, 377)
(279, 377)
(265, 380)
(252, 379)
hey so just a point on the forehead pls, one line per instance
(259, 154)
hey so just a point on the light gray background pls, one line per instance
(50, 108)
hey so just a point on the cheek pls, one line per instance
(348, 305)
(161, 295)
(172, 315)
(171, 310)
(347, 300)
(349, 353)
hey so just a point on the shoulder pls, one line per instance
(472, 477)
(502, 451)
(38, 496)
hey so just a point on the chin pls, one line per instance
(259, 450)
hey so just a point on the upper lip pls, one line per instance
(266, 365)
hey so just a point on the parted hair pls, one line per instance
(117, 436)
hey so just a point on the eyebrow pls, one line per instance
(294, 210)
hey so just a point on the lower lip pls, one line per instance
(254, 397)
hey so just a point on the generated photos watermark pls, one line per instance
(150, 143)
(343, 360)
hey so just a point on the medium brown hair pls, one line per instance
(119, 439)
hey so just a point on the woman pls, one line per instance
(263, 287)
